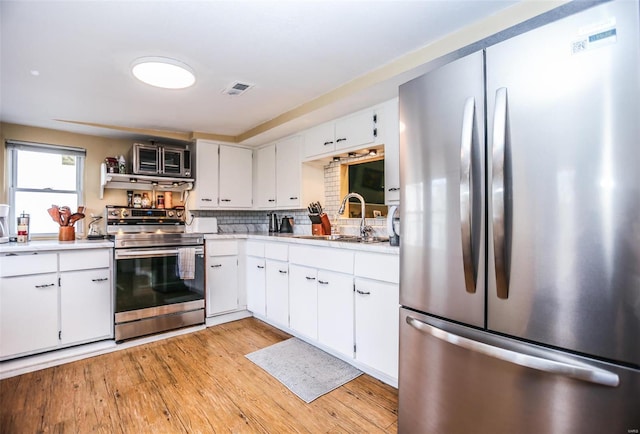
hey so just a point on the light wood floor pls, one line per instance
(196, 383)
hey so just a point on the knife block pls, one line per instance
(326, 224)
(316, 229)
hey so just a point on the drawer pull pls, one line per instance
(310, 278)
(323, 282)
(46, 285)
(283, 271)
(363, 292)
(260, 266)
(101, 279)
(341, 140)
(394, 189)
(216, 266)
(327, 143)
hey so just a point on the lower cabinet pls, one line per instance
(84, 300)
(335, 311)
(54, 300)
(376, 325)
(303, 300)
(222, 287)
(277, 291)
(256, 281)
(28, 314)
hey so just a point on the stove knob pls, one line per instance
(179, 213)
(113, 213)
(125, 213)
(170, 213)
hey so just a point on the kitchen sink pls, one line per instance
(343, 238)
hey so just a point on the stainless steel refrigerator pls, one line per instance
(520, 253)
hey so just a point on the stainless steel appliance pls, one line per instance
(153, 159)
(159, 271)
(520, 253)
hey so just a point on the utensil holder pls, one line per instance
(67, 233)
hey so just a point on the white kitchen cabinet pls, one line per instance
(85, 306)
(235, 177)
(376, 325)
(223, 177)
(205, 193)
(377, 310)
(265, 180)
(335, 311)
(303, 300)
(277, 291)
(54, 300)
(283, 181)
(86, 310)
(389, 130)
(256, 285)
(28, 313)
(222, 285)
(349, 132)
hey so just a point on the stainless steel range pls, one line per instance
(159, 271)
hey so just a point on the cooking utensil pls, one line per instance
(74, 218)
(65, 213)
(54, 212)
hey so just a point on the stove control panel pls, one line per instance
(121, 215)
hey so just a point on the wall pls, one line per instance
(97, 149)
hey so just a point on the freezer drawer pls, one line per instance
(446, 387)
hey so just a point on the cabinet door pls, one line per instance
(355, 130)
(256, 281)
(377, 316)
(277, 290)
(335, 311)
(205, 193)
(303, 300)
(265, 182)
(320, 140)
(235, 177)
(288, 178)
(86, 311)
(222, 284)
(389, 119)
(28, 314)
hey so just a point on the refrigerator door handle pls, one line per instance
(498, 186)
(583, 373)
(466, 196)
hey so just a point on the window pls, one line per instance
(39, 176)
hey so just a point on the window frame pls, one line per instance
(12, 149)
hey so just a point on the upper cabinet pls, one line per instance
(349, 132)
(390, 135)
(205, 195)
(223, 176)
(282, 180)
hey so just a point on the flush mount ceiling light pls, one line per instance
(163, 72)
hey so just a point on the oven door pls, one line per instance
(151, 295)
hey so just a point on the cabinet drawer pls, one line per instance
(222, 247)
(30, 263)
(85, 259)
(324, 258)
(279, 251)
(378, 266)
(255, 249)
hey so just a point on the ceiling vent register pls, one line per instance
(236, 88)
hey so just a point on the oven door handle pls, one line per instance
(124, 254)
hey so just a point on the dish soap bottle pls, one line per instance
(146, 202)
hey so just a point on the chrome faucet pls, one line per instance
(365, 231)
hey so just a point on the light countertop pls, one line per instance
(383, 247)
(53, 245)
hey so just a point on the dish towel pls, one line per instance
(187, 263)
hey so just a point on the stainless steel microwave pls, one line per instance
(152, 159)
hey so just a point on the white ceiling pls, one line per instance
(293, 51)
